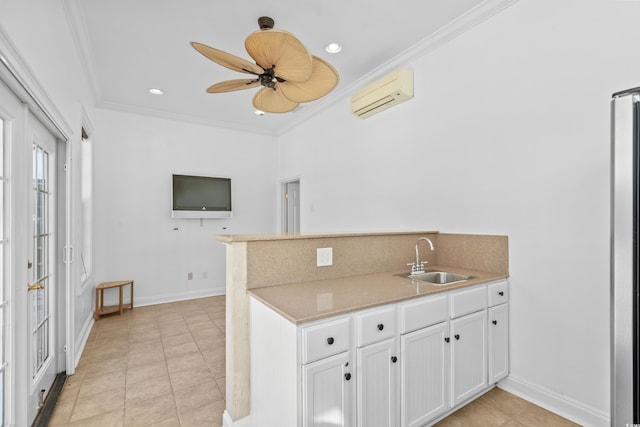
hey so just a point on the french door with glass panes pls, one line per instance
(41, 289)
(28, 362)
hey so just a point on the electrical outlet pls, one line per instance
(205, 275)
(189, 276)
(324, 257)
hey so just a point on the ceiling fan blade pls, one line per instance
(231, 85)
(322, 81)
(273, 101)
(227, 60)
(282, 51)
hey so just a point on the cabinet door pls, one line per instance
(378, 393)
(468, 356)
(424, 377)
(498, 342)
(328, 390)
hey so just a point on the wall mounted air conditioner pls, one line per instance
(390, 90)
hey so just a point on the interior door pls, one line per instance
(291, 207)
(41, 289)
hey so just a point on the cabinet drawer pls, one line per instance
(498, 293)
(423, 312)
(325, 339)
(467, 301)
(375, 325)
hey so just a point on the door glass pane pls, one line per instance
(39, 295)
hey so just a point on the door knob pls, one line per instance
(35, 287)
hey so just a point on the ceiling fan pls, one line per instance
(287, 72)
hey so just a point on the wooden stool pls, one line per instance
(101, 309)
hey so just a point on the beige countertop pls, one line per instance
(313, 300)
(231, 238)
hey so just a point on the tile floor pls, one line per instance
(164, 365)
(161, 365)
(499, 408)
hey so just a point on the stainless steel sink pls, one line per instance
(438, 278)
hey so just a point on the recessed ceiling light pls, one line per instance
(333, 47)
(259, 113)
(156, 91)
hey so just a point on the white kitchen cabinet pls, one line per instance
(498, 293)
(424, 374)
(498, 342)
(400, 364)
(301, 375)
(468, 356)
(378, 392)
(375, 325)
(327, 392)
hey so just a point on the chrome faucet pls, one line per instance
(418, 266)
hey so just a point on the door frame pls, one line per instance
(16, 74)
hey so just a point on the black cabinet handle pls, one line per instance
(495, 322)
(347, 376)
(330, 340)
(446, 339)
(394, 359)
(501, 293)
(380, 326)
(456, 336)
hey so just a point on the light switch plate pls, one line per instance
(324, 257)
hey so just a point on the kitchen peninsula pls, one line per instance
(277, 270)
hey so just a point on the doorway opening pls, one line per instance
(291, 206)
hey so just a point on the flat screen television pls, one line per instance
(200, 197)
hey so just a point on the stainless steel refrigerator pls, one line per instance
(625, 268)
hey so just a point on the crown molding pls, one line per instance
(81, 39)
(125, 108)
(441, 37)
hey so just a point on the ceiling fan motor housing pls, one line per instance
(268, 79)
(265, 23)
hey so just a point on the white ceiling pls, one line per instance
(129, 46)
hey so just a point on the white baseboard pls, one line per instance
(228, 422)
(81, 340)
(182, 296)
(554, 402)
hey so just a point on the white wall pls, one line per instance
(508, 133)
(136, 238)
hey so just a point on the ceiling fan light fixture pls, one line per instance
(333, 47)
(156, 91)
